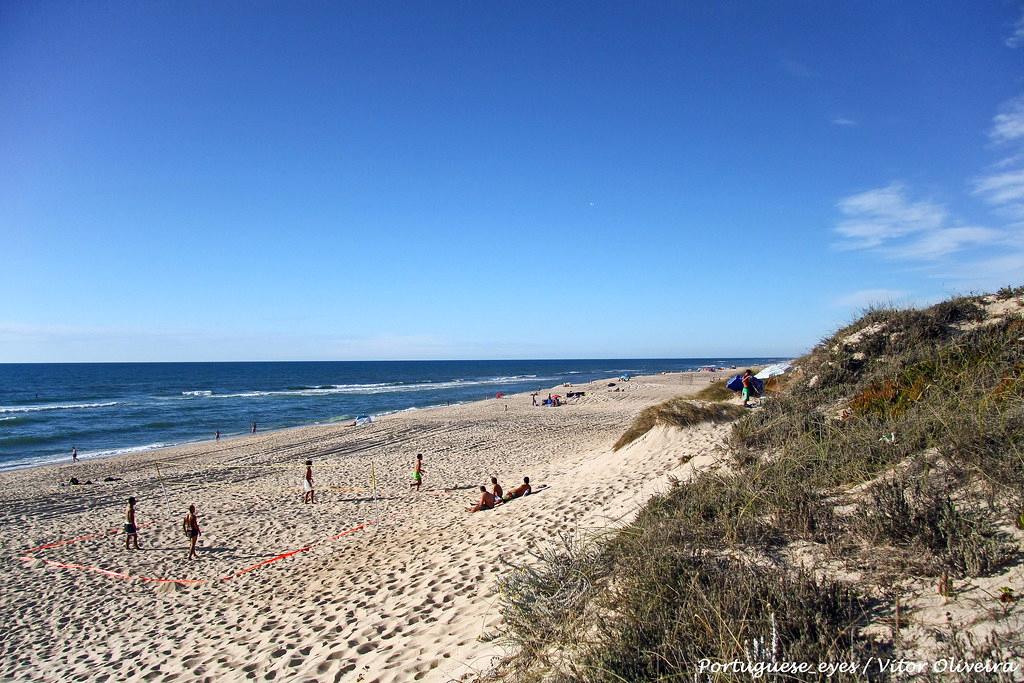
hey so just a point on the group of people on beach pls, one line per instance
(488, 499)
(496, 496)
(189, 525)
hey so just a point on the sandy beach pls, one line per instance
(353, 588)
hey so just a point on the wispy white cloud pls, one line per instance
(1016, 39)
(878, 216)
(868, 297)
(945, 241)
(1008, 124)
(843, 121)
(886, 221)
(1001, 188)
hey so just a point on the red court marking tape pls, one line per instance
(264, 562)
(86, 537)
(351, 531)
(183, 582)
(107, 572)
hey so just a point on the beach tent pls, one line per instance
(773, 370)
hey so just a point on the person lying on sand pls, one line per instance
(523, 489)
(496, 489)
(486, 501)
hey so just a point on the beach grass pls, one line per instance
(896, 448)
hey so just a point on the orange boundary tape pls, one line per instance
(86, 537)
(183, 582)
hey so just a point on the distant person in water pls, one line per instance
(496, 488)
(74, 454)
(307, 484)
(218, 435)
(130, 529)
(417, 473)
(190, 525)
(486, 501)
(253, 427)
(523, 489)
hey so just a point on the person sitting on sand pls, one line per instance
(131, 531)
(307, 484)
(190, 525)
(496, 489)
(523, 489)
(417, 473)
(486, 501)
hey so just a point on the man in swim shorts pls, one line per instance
(417, 473)
(486, 501)
(131, 531)
(496, 488)
(523, 489)
(190, 525)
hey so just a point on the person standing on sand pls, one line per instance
(190, 525)
(486, 501)
(74, 454)
(130, 529)
(748, 386)
(417, 473)
(496, 489)
(307, 484)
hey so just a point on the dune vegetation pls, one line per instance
(878, 483)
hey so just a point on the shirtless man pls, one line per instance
(486, 501)
(131, 531)
(496, 489)
(417, 473)
(307, 484)
(523, 489)
(190, 525)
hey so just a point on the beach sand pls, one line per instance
(395, 589)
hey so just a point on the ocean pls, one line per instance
(110, 408)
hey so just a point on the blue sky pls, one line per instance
(303, 180)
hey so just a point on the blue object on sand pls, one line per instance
(736, 384)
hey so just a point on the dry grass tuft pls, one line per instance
(678, 412)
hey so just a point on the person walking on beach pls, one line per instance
(253, 427)
(417, 473)
(496, 488)
(190, 525)
(130, 529)
(74, 454)
(307, 484)
(486, 501)
(218, 435)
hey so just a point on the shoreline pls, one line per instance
(64, 459)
